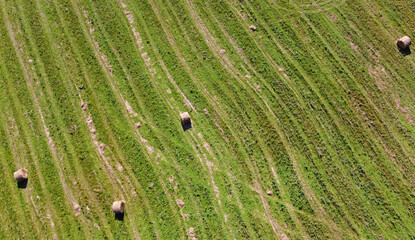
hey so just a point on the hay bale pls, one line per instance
(20, 175)
(404, 42)
(252, 27)
(102, 147)
(186, 122)
(180, 202)
(77, 209)
(269, 192)
(118, 207)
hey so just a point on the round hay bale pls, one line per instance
(252, 27)
(269, 192)
(20, 175)
(77, 209)
(186, 122)
(404, 42)
(180, 202)
(118, 207)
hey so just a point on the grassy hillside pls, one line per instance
(302, 129)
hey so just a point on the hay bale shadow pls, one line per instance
(186, 126)
(406, 51)
(119, 216)
(22, 184)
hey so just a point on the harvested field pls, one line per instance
(298, 119)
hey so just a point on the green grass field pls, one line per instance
(302, 129)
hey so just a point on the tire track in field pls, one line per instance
(180, 56)
(350, 74)
(288, 204)
(377, 135)
(258, 189)
(28, 193)
(82, 181)
(224, 137)
(162, 157)
(147, 60)
(275, 226)
(210, 165)
(213, 99)
(100, 148)
(149, 148)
